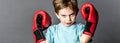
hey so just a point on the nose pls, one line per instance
(68, 18)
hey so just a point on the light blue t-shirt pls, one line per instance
(62, 34)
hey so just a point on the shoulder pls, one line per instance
(80, 24)
(52, 27)
(80, 28)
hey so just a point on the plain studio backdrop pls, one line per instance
(16, 17)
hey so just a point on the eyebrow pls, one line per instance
(72, 14)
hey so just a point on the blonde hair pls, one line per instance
(60, 4)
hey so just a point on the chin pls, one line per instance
(67, 25)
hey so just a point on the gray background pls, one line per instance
(16, 18)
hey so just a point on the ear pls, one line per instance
(57, 15)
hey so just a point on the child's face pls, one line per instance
(66, 16)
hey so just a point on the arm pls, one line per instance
(41, 21)
(84, 38)
(90, 15)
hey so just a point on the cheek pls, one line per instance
(73, 18)
(61, 19)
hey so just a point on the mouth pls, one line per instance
(68, 23)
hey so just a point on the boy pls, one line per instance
(67, 31)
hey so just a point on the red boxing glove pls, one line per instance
(89, 14)
(41, 22)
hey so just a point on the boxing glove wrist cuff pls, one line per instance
(87, 29)
(87, 33)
